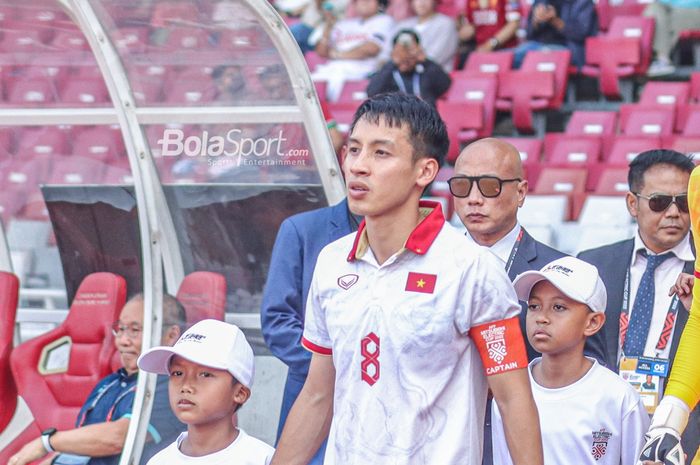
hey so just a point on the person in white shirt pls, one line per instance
(437, 32)
(588, 414)
(211, 369)
(355, 47)
(408, 322)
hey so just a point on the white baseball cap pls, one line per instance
(212, 343)
(575, 278)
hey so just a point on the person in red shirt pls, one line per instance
(488, 25)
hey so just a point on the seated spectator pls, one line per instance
(354, 46)
(229, 83)
(313, 18)
(103, 421)
(487, 26)
(671, 16)
(410, 72)
(437, 32)
(559, 24)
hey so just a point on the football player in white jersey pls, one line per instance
(409, 323)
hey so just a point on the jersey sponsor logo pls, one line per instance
(600, 443)
(369, 348)
(500, 345)
(347, 281)
(421, 282)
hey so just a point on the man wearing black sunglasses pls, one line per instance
(489, 187)
(643, 321)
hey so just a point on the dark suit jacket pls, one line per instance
(299, 241)
(612, 262)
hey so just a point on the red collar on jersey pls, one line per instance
(421, 238)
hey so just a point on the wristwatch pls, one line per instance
(494, 42)
(45, 438)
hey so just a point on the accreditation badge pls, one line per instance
(646, 375)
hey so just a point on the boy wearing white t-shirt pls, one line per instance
(211, 371)
(588, 414)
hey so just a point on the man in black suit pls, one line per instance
(488, 188)
(658, 181)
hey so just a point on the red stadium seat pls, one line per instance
(203, 294)
(187, 38)
(522, 92)
(564, 181)
(313, 59)
(695, 87)
(85, 92)
(9, 293)
(351, 97)
(174, 12)
(664, 94)
(131, 39)
(189, 92)
(608, 10)
(638, 120)
(464, 121)
(23, 40)
(99, 143)
(32, 93)
(489, 62)
(684, 144)
(49, 140)
(623, 52)
(70, 40)
(612, 181)
(24, 174)
(625, 148)
(77, 170)
(688, 119)
(592, 123)
(474, 88)
(240, 39)
(55, 394)
(575, 151)
(551, 61)
(530, 148)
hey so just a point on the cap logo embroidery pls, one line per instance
(347, 281)
(192, 337)
(559, 268)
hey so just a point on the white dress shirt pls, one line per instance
(664, 277)
(504, 245)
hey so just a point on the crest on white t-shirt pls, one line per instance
(495, 342)
(600, 443)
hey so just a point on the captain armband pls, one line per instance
(500, 345)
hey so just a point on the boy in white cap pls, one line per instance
(588, 414)
(211, 371)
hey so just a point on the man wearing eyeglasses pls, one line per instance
(644, 323)
(103, 421)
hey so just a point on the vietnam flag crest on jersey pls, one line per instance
(421, 282)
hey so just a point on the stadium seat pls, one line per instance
(608, 10)
(203, 294)
(592, 123)
(440, 188)
(351, 97)
(25, 174)
(240, 39)
(688, 119)
(313, 59)
(85, 92)
(99, 143)
(690, 37)
(605, 210)
(574, 151)
(690, 145)
(56, 371)
(77, 170)
(9, 293)
(570, 182)
(544, 210)
(638, 120)
(32, 93)
(522, 92)
(187, 38)
(464, 121)
(695, 87)
(70, 40)
(49, 140)
(131, 39)
(489, 62)
(664, 94)
(551, 61)
(472, 87)
(189, 92)
(625, 148)
(612, 181)
(623, 52)
(530, 148)
(173, 12)
(23, 40)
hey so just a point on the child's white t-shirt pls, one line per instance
(244, 450)
(599, 420)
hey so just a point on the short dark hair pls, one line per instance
(174, 313)
(427, 131)
(218, 71)
(645, 160)
(410, 32)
